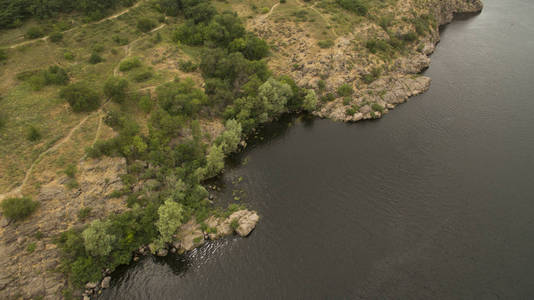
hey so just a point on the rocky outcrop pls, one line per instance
(28, 256)
(349, 62)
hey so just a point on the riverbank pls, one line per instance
(379, 77)
(59, 213)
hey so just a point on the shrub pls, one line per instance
(68, 55)
(56, 75)
(18, 208)
(33, 134)
(145, 24)
(170, 218)
(34, 32)
(234, 224)
(80, 97)
(56, 37)
(97, 239)
(129, 63)
(344, 90)
(3, 55)
(84, 213)
(377, 107)
(3, 120)
(187, 66)
(95, 58)
(70, 171)
(116, 89)
(145, 103)
(355, 6)
(143, 75)
(409, 37)
(310, 101)
(325, 44)
(370, 77)
(120, 40)
(350, 111)
(31, 247)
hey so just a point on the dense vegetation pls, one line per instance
(239, 88)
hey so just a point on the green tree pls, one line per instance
(274, 95)
(116, 89)
(310, 101)
(170, 218)
(214, 161)
(97, 239)
(231, 137)
(80, 97)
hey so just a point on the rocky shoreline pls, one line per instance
(27, 276)
(342, 65)
(190, 235)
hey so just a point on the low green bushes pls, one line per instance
(356, 6)
(325, 44)
(129, 64)
(345, 90)
(38, 79)
(80, 97)
(34, 32)
(145, 24)
(116, 89)
(18, 208)
(33, 134)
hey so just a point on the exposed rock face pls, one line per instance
(32, 275)
(349, 62)
(190, 235)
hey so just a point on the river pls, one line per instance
(434, 201)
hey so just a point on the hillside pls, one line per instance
(121, 114)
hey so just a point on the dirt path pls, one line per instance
(78, 27)
(18, 190)
(265, 16)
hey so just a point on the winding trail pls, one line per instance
(265, 16)
(78, 27)
(18, 190)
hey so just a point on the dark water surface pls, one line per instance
(434, 201)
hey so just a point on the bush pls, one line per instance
(187, 66)
(3, 55)
(95, 58)
(116, 89)
(3, 120)
(80, 97)
(68, 55)
(325, 44)
(344, 90)
(143, 75)
(129, 63)
(84, 213)
(34, 32)
(145, 24)
(409, 37)
(355, 6)
(56, 76)
(18, 208)
(70, 171)
(370, 77)
(56, 37)
(33, 134)
(377, 107)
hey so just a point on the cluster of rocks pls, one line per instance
(95, 288)
(192, 234)
(28, 255)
